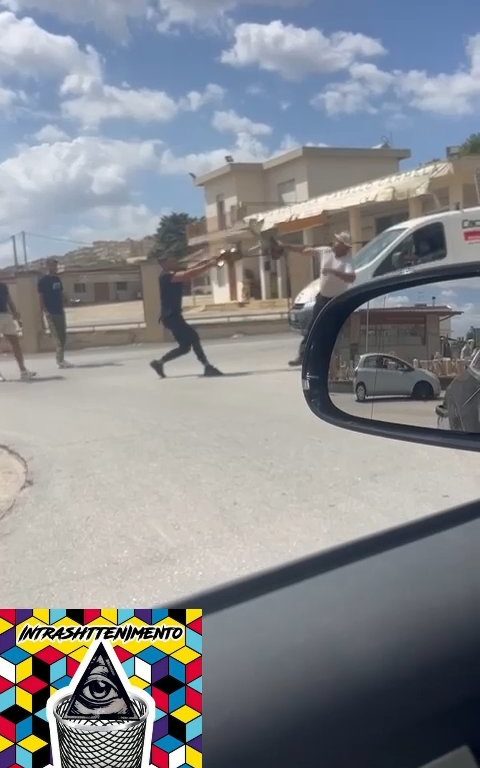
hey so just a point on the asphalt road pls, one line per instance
(142, 491)
(399, 410)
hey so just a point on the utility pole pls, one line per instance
(24, 248)
(15, 254)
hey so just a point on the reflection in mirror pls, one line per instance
(413, 357)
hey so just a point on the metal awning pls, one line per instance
(314, 212)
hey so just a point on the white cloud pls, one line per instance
(196, 100)
(231, 122)
(50, 134)
(354, 95)
(369, 88)
(113, 17)
(208, 12)
(344, 98)
(28, 51)
(97, 102)
(9, 98)
(116, 223)
(107, 102)
(247, 148)
(445, 94)
(255, 90)
(294, 52)
(110, 16)
(45, 182)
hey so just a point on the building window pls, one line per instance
(287, 192)
(122, 286)
(221, 216)
(80, 288)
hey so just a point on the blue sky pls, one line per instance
(106, 106)
(460, 295)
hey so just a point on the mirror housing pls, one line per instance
(321, 343)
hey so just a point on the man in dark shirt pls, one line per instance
(9, 316)
(50, 289)
(172, 281)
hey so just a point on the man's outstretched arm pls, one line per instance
(189, 274)
(307, 249)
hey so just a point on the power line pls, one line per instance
(58, 239)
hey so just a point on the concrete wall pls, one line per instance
(293, 170)
(328, 174)
(250, 186)
(226, 186)
(130, 336)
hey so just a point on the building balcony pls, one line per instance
(232, 222)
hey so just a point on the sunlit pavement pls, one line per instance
(146, 490)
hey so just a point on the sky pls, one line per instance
(106, 106)
(460, 295)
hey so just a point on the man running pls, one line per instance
(172, 280)
(50, 290)
(9, 329)
(336, 275)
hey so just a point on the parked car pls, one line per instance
(378, 375)
(460, 410)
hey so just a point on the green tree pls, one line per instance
(171, 238)
(471, 146)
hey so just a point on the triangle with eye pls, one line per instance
(100, 693)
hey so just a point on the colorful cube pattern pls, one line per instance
(173, 679)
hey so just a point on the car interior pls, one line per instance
(426, 245)
(365, 655)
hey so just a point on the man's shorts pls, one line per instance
(8, 326)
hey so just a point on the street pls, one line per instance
(399, 410)
(143, 491)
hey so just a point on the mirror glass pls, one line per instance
(413, 357)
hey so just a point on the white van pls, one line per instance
(449, 237)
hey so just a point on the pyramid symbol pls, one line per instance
(100, 693)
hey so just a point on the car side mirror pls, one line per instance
(419, 319)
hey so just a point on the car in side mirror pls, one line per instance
(399, 357)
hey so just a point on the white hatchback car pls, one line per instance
(378, 375)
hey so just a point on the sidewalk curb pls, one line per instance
(13, 478)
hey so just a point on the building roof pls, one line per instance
(379, 313)
(398, 186)
(307, 152)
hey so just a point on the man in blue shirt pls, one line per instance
(50, 289)
(172, 280)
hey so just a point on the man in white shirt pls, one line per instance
(336, 275)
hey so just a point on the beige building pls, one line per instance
(406, 332)
(237, 191)
(102, 285)
(364, 208)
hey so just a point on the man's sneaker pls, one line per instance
(296, 363)
(65, 364)
(27, 375)
(157, 366)
(2, 378)
(211, 371)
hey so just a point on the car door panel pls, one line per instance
(367, 655)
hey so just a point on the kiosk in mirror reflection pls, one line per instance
(400, 367)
